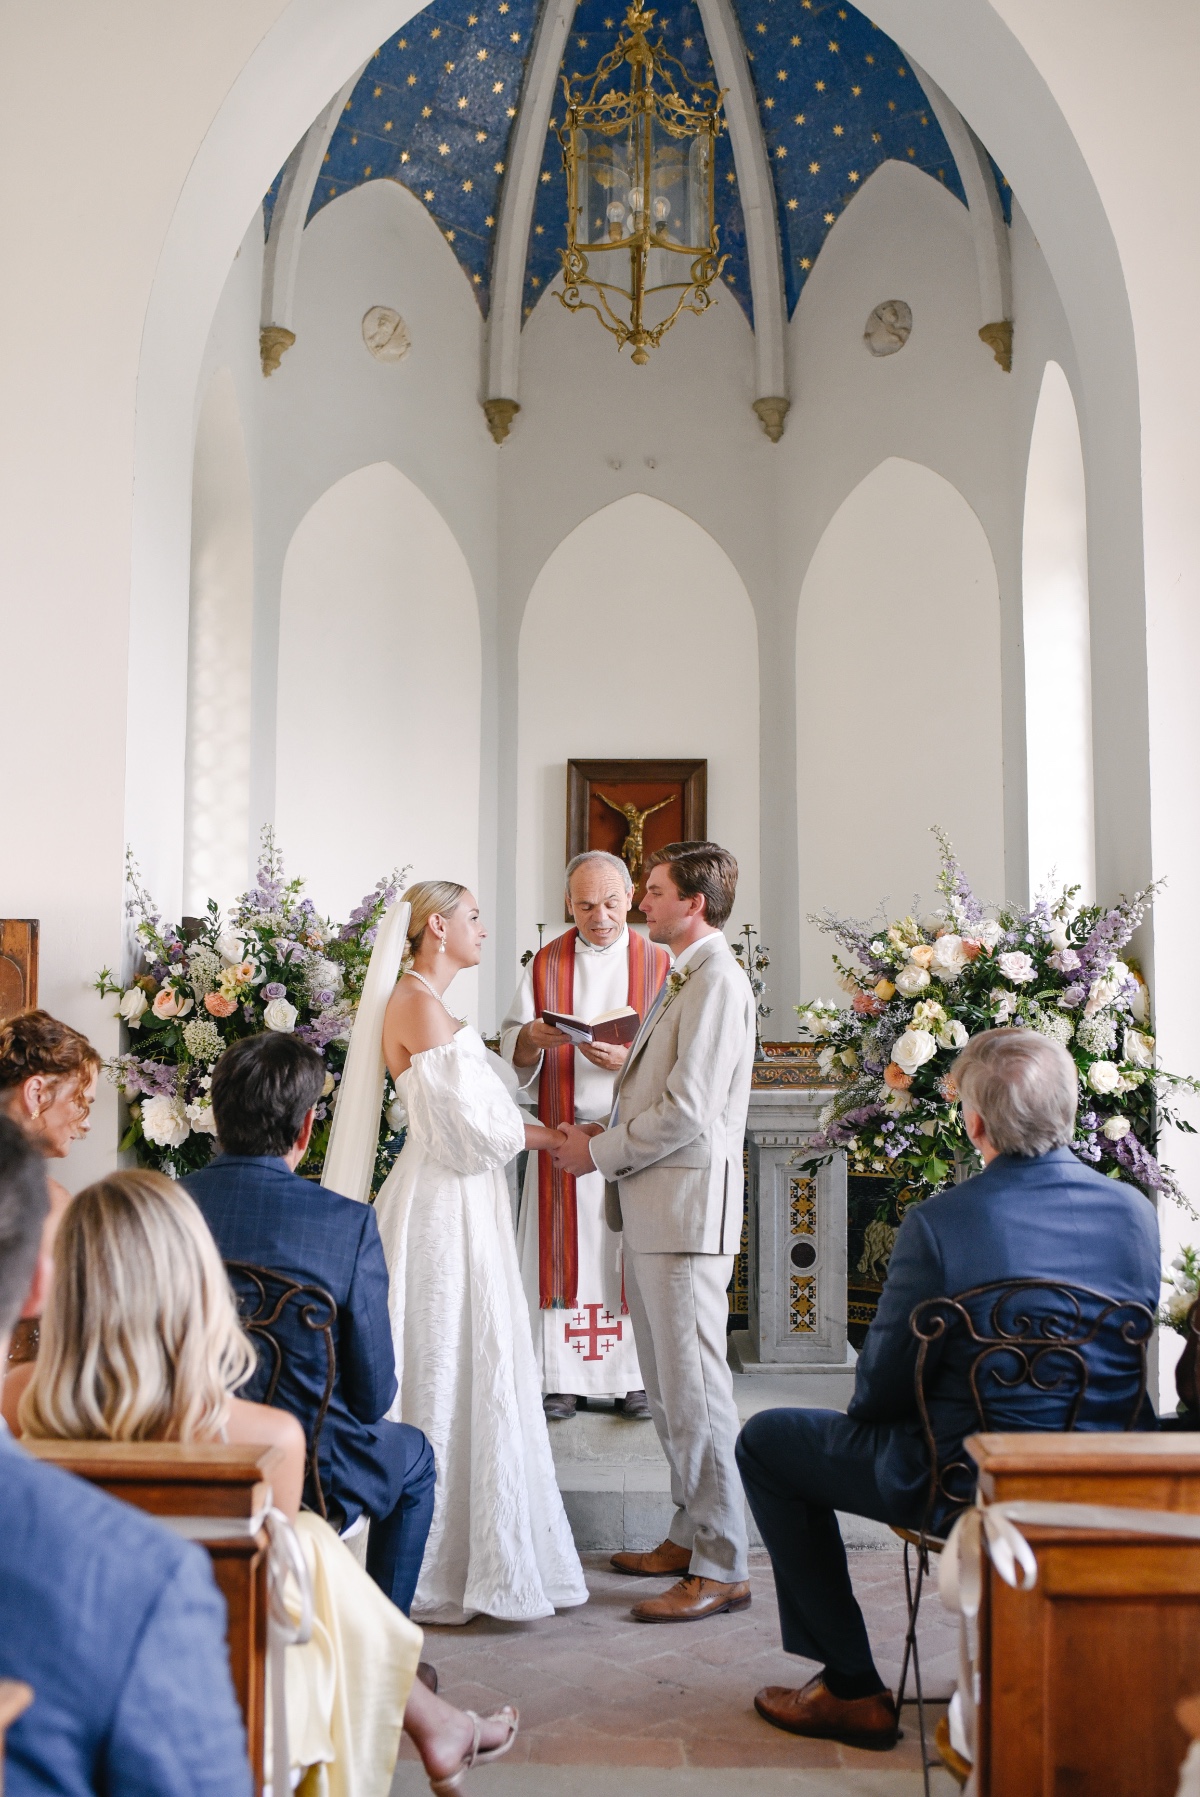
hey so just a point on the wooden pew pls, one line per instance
(1080, 1677)
(210, 1493)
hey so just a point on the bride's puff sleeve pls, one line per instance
(460, 1111)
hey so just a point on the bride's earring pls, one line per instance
(442, 945)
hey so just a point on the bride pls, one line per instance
(500, 1543)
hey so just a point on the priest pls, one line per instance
(570, 1263)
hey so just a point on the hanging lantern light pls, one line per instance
(642, 243)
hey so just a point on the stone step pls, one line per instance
(616, 1484)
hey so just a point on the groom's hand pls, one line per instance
(575, 1155)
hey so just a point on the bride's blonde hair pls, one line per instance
(140, 1340)
(429, 898)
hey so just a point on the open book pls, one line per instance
(614, 1027)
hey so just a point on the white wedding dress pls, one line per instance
(500, 1544)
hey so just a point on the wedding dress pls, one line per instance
(500, 1544)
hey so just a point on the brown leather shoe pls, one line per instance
(692, 1599)
(635, 1405)
(559, 1405)
(814, 1710)
(666, 1561)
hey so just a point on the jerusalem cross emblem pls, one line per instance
(590, 1332)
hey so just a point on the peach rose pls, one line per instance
(866, 1004)
(168, 1004)
(971, 949)
(896, 1078)
(217, 1005)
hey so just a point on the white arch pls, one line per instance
(900, 726)
(377, 736)
(1058, 687)
(628, 703)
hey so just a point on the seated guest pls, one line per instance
(1035, 1212)
(141, 1342)
(259, 1210)
(115, 1623)
(47, 1084)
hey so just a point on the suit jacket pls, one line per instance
(1051, 1217)
(259, 1210)
(673, 1159)
(119, 1628)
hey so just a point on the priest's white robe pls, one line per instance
(588, 1351)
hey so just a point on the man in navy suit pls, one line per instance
(264, 1090)
(1035, 1212)
(115, 1622)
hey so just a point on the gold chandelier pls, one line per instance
(642, 242)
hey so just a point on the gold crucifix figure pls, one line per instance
(633, 849)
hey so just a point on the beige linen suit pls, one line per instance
(672, 1159)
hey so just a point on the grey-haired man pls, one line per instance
(571, 1264)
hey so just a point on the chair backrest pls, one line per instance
(1037, 1354)
(265, 1299)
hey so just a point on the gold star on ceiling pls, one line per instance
(534, 281)
(449, 67)
(497, 168)
(792, 205)
(514, 37)
(799, 118)
(436, 32)
(511, 111)
(477, 279)
(687, 43)
(820, 86)
(387, 124)
(489, 221)
(404, 155)
(481, 137)
(545, 175)
(427, 112)
(806, 262)
(833, 47)
(377, 93)
(782, 75)
(829, 218)
(461, 102)
(467, 186)
(449, 236)
(497, 87)
(402, 43)
(795, 43)
(780, 152)
(354, 138)
(769, 103)
(839, 131)
(428, 194)
(854, 174)
(876, 138)
(731, 177)
(539, 230)
(443, 149)
(870, 59)
(814, 168)
(902, 72)
(856, 91)
(367, 172)
(412, 81)
(761, 29)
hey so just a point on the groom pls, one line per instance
(672, 1159)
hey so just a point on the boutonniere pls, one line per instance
(675, 985)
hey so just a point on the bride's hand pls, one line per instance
(537, 1136)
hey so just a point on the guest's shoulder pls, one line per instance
(53, 1518)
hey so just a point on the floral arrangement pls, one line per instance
(275, 965)
(1185, 1289)
(919, 990)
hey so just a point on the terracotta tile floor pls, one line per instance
(670, 1710)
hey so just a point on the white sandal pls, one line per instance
(477, 1755)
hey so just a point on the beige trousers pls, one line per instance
(680, 1312)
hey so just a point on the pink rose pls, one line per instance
(168, 1003)
(217, 1005)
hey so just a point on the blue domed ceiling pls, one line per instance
(436, 106)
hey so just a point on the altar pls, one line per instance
(791, 1273)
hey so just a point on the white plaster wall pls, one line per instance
(638, 641)
(217, 781)
(378, 714)
(898, 672)
(1058, 687)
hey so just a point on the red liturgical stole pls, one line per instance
(553, 990)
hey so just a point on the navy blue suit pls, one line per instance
(1050, 1217)
(119, 1628)
(259, 1210)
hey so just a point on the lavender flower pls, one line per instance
(273, 989)
(1072, 997)
(1136, 1157)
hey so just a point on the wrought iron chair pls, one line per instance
(1031, 1333)
(263, 1296)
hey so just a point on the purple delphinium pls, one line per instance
(953, 884)
(1110, 932)
(1136, 1158)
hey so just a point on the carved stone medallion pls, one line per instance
(888, 327)
(386, 334)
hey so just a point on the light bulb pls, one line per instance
(662, 208)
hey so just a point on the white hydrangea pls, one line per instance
(1097, 1034)
(204, 969)
(202, 1039)
(1056, 1025)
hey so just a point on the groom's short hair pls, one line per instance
(703, 868)
(262, 1089)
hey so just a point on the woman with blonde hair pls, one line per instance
(141, 1342)
(48, 1074)
(500, 1544)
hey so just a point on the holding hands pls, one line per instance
(575, 1154)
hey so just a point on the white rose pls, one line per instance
(1116, 1127)
(1017, 967)
(849, 1058)
(988, 932)
(133, 1007)
(913, 1049)
(1104, 1077)
(165, 1121)
(1058, 937)
(1004, 1002)
(1139, 1048)
(201, 1118)
(911, 979)
(899, 1102)
(826, 1058)
(397, 1115)
(952, 1034)
(949, 957)
(280, 1015)
(231, 948)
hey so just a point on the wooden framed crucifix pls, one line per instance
(632, 808)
